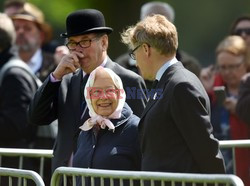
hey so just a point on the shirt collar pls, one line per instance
(165, 67)
(103, 65)
(35, 62)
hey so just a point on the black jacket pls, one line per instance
(16, 92)
(175, 128)
(118, 150)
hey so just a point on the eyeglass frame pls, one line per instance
(109, 92)
(84, 40)
(132, 54)
(239, 31)
(230, 68)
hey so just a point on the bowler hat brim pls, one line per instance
(107, 30)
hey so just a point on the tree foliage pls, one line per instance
(201, 24)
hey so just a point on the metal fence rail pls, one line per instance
(233, 144)
(144, 178)
(21, 153)
(23, 175)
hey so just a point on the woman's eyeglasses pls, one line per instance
(232, 67)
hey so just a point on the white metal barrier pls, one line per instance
(42, 154)
(23, 175)
(143, 178)
(21, 153)
(233, 144)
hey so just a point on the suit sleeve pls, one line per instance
(243, 104)
(191, 115)
(17, 90)
(42, 109)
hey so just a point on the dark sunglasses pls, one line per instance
(240, 31)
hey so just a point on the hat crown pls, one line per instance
(85, 21)
(94, 18)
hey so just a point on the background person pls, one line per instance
(208, 75)
(17, 88)
(231, 57)
(180, 116)
(32, 33)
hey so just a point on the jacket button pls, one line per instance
(93, 146)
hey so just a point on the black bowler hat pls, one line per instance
(85, 21)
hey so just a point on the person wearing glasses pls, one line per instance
(231, 59)
(175, 129)
(61, 95)
(241, 27)
(163, 8)
(109, 138)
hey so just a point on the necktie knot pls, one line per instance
(155, 84)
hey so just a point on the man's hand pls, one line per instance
(230, 104)
(60, 52)
(68, 64)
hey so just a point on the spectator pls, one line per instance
(240, 27)
(178, 114)
(167, 10)
(17, 88)
(32, 32)
(231, 57)
(61, 95)
(112, 128)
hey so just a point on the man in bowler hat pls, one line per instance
(61, 95)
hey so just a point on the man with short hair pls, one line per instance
(175, 128)
(32, 33)
(165, 9)
(61, 95)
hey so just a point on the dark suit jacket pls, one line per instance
(243, 104)
(16, 92)
(48, 65)
(175, 129)
(62, 101)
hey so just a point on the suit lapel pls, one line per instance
(152, 101)
(162, 85)
(109, 64)
(76, 96)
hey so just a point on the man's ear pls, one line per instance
(146, 49)
(104, 42)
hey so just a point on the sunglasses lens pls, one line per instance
(241, 31)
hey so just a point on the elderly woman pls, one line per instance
(231, 55)
(109, 138)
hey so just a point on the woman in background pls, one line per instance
(231, 56)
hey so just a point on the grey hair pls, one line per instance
(157, 7)
(7, 32)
